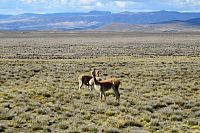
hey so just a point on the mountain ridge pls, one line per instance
(90, 20)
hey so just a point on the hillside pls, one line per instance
(90, 20)
(174, 25)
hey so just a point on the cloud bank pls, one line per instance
(50, 6)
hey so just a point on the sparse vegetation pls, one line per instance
(158, 93)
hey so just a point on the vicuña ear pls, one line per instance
(93, 71)
(97, 72)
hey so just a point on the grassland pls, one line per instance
(160, 75)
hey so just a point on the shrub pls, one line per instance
(155, 123)
(192, 122)
(197, 113)
(110, 113)
(2, 128)
(111, 130)
(130, 123)
(89, 128)
(176, 118)
(63, 126)
(37, 127)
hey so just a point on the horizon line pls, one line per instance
(149, 11)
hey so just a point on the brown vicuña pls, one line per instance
(106, 85)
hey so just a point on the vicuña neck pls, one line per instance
(95, 80)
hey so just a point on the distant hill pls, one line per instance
(194, 21)
(190, 22)
(4, 16)
(94, 20)
(169, 26)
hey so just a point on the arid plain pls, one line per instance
(160, 75)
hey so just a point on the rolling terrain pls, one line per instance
(160, 77)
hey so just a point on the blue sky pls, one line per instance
(52, 6)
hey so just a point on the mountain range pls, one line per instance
(166, 26)
(99, 20)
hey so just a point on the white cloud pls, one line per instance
(63, 1)
(99, 4)
(87, 1)
(49, 6)
(120, 4)
(28, 1)
(80, 5)
(186, 2)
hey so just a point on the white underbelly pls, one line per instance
(97, 87)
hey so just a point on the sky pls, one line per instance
(57, 6)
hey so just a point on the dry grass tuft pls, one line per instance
(158, 93)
